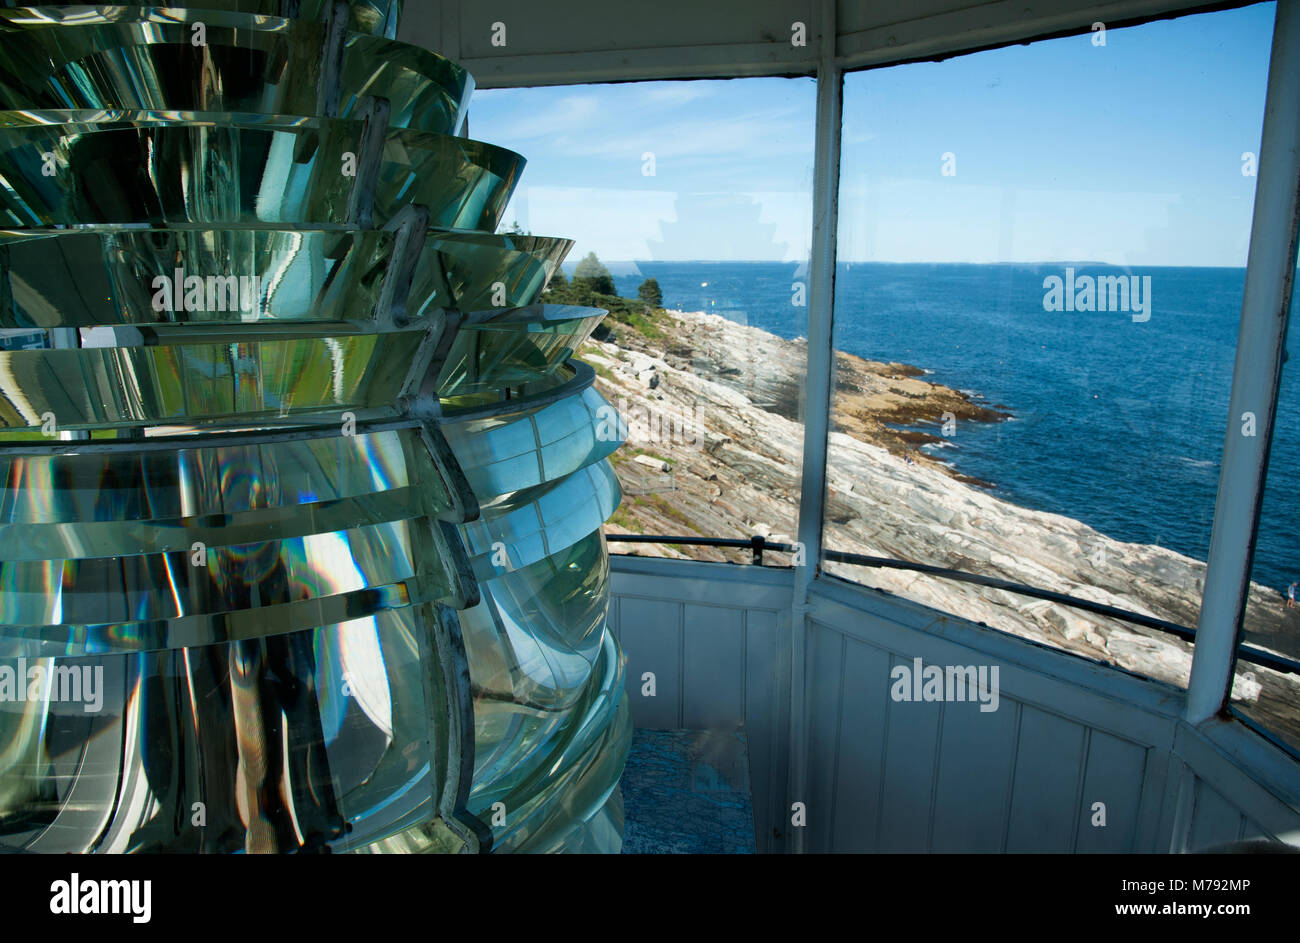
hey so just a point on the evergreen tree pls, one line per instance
(593, 274)
(649, 292)
(558, 282)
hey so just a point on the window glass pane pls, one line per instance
(1272, 621)
(1041, 264)
(701, 189)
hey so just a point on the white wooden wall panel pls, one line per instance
(1217, 820)
(975, 771)
(858, 777)
(1068, 734)
(1045, 802)
(942, 777)
(716, 638)
(907, 786)
(1240, 788)
(1115, 772)
(894, 776)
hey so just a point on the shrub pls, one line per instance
(593, 274)
(649, 292)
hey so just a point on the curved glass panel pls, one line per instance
(232, 532)
(566, 381)
(377, 17)
(579, 756)
(552, 616)
(169, 547)
(475, 271)
(533, 524)
(294, 742)
(561, 603)
(522, 449)
(531, 679)
(264, 374)
(587, 769)
(73, 279)
(514, 347)
(213, 484)
(244, 64)
(151, 168)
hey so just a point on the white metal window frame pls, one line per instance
(736, 38)
(1261, 344)
(1270, 274)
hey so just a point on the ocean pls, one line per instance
(1117, 422)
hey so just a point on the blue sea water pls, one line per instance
(1116, 423)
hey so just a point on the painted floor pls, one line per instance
(687, 792)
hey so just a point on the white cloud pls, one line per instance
(616, 224)
(910, 220)
(752, 135)
(675, 93)
(666, 225)
(572, 114)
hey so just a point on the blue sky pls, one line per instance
(1129, 153)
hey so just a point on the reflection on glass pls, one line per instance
(376, 17)
(535, 445)
(83, 279)
(117, 169)
(514, 347)
(703, 271)
(265, 65)
(272, 376)
(251, 597)
(1035, 342)
(309, 740)
(1271, 620)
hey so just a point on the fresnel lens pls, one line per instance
(300, 532)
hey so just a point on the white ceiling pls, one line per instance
(573, 41)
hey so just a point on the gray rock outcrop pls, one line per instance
(722, 428)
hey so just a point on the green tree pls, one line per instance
(649, 292)
(558, 282)
(593, 274)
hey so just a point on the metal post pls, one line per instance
(817, 396)
(1261, 340)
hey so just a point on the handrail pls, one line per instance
(758, 544)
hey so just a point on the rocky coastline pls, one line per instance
(714, 447)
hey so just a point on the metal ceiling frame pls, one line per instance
(589, 41)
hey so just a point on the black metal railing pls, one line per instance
(758, 545)
(755, 544)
